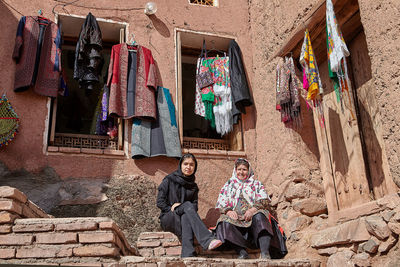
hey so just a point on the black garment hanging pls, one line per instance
(88, 59)
(239, 85)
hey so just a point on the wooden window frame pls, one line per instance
(204, 147)
(85, 143)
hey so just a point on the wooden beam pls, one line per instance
(315, 22)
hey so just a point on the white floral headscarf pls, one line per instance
(252, 190)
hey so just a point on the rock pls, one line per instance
(371, 246)
(361, 260)
(395, 262)
(312, 206)
(327, 251)
(341, 259)
(319, 223)
(396, 217)
(298, 223)
(387, 214)
(389, 201)
(387, 245)
(377, 227)
(345, 233)
(394, 227)
(3, 170)
(297, 191)
(82, 191)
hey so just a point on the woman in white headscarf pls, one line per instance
(244, 221)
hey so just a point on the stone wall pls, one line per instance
(368, 237)
(28, 235)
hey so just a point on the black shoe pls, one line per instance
(265, 256)
(243, 254)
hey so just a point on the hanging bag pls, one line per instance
(203, 79)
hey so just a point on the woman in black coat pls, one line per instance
(177, 198)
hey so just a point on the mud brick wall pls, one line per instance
(29, 235)
(166, 244)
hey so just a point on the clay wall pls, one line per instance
(27, 150)
(284, 155)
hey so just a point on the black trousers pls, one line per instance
(245, 237)
(186, 223)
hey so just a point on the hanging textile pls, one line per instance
(222, 89)
(239, 85)
(37, 52)
(9, 122)
(287, 92)
(207, 93)
(160, 137)
(199, 108)
(311, 78)
(337, 53)
(88, 60)
(142, 102)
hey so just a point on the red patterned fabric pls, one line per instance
(146, 82)
(48, 77)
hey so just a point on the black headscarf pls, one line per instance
(178, 177)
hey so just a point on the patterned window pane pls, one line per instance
(202, 2)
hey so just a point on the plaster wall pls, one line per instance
(283, 154)
(156, 33)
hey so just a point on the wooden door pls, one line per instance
(342, 163)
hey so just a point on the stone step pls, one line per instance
(133, 261)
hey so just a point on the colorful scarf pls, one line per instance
(287, 91)
(222, 90)
(311, 78)
(207, 93)
(9, 122)
(252, 190)
(337, 53)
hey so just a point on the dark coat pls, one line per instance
(88, 60)
(47, 79)
(239, 86)
(175, 188)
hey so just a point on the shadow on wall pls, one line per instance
(160, 26)
(339, 152)
(160, 163)
(9, 24)
(374, 150)
(307, 131)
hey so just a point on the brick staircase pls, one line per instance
(30, 236)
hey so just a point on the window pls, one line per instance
(204, 2)
(73, 117)
(195, 131)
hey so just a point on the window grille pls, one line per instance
(204, 2)
(203, 143)
(85, 141)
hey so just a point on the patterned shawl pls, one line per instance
(337, 53)
(311, 81)
(287, 91)
(252, 190)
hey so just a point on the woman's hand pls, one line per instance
(232, 214)
(174, 206)
(249, 213)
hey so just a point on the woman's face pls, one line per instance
(242, 172)
(187, 166)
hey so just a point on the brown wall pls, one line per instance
(277, 153)
(283, 153)
(26, 151)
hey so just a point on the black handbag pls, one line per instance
(278, 248)
(203, 79)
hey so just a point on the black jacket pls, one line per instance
(88, 59)
(177, 188)
(239, 86)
